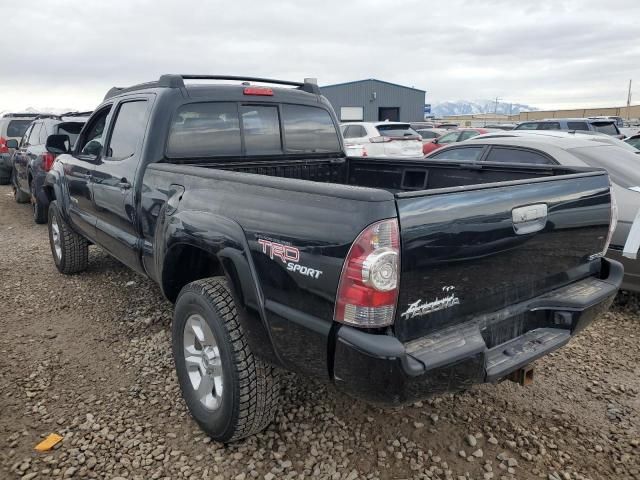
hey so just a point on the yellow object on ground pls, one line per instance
(48, 443)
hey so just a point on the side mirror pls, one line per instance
(58, 144)
(12, 143)
(435, 140)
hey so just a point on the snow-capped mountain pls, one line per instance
(466, 107)
(55, 111)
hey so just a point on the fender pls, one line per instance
(55, 190)
(224, 239)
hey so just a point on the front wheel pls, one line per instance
(229, 392)
(70, 250)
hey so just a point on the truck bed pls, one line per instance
(393, 175)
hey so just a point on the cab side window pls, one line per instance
(128, 130)
(93, 140)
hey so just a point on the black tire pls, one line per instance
(39, 210)
(18, 195)
(73, 255)
(250, 386)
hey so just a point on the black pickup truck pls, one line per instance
(393, 279)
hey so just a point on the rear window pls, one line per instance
(608, 128)
(309, 130)
(70, 128)
(623, 165)
(16, 128)
(396, 130)
(213, 129)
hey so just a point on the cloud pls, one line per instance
(544, 53)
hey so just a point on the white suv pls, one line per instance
(381, 139)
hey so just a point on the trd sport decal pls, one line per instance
(417, 309)
(289, 256)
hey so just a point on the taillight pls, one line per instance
(381, 139)
(368, 289)
(263, 91)
(47, 161)
(3, 145)
(613, 223)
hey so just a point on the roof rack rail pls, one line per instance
(12, 115)
(76, 114)
(309, 85)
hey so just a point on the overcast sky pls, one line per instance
(544, 53)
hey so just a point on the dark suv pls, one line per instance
(596, 125)
(31, 161)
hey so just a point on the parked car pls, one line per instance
(389, 278)
(12, 127)
(428, 134)
(603, 126)
(381, 139)
(562, 148)
(32, 161)
(458, 135)
(634, 140)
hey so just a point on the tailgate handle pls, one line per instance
(530, 218)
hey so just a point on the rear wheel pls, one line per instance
(229, 392)
(70, 250)
(18, 195)
(39, 210)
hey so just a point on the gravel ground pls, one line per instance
(88, 357)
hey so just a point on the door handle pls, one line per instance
(123, 184)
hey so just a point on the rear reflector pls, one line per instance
(263, 91)
(368, 290)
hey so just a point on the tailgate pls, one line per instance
(473, 250)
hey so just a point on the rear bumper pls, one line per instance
(381, 369)
(631, 280)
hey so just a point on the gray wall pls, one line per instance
(358, 94)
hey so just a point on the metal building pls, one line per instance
(372, 100)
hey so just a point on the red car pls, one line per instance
(452, 137)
